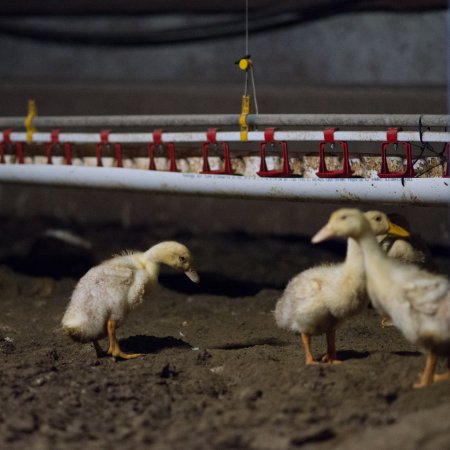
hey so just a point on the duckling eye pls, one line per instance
(343, 217)
(378, 218)
(182, 259)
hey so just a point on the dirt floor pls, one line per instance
(217, 372)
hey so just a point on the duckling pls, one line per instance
(106, 294)
(403, 247)
(392, 239)
(418, 301)
(318, 299)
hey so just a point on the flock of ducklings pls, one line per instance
(379, 266)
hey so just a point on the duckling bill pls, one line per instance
(106, 294)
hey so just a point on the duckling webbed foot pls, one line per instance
(311, 361)
(329, 359)
(386, 322)
(120, 354)
(114, 349)
(427, 377)
(443, 376)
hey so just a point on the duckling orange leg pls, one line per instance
(331, 356)
(114, 348)
(427, 376)
(443, 376)
(309, 358)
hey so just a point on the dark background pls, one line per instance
(79, 57)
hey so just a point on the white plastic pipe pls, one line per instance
(418, 191)
(234, 136)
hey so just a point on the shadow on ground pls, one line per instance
(151, 344)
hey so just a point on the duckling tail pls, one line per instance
(73, 328)
(74, 332)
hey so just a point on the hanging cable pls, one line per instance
(246, 64)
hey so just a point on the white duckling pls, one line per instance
(417, 301)
(106, 294)
(317, 300)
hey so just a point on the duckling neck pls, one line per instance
(373, 256)
(354, 262)
(155, 255)
(150, 262)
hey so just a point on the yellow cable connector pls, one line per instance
(245, 111)
(32, 113)
(245, 63)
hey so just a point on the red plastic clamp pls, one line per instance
(211, 136)
(7, 141)
(104, 142)
(392, 139)
(4, 143)
(323, 172)
(269, 138)
(157, 142)
(54, 142)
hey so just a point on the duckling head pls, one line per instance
(175, 255)
(345, 222)
(381, 224)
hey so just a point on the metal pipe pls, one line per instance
(418, 191)
(220, 120)
(234, 136)
(351, 120)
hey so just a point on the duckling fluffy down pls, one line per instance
(108, 291)
(317, 299)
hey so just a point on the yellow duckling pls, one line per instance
(106, 294)
(392, 239)
(317, 300)
(417, 301)
(403, 247)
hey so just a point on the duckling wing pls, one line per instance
(100, 293)
(118, 274)
(405, 251)
(426, 294)
(301, 306)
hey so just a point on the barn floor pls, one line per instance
(217, 372)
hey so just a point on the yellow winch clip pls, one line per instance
(32, 113)
(245, 64)
(245, 111)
